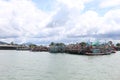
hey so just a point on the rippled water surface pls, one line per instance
(25, 65)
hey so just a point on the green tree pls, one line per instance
(118, 44)
(52, 43)
(12, 43)
(32, 45)
(83, 44)
(62, 44)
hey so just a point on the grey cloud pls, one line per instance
(8, 36)
(111, 35)
(49, 33)
(117, 20)
(60, 18)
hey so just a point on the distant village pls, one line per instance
(82, 48)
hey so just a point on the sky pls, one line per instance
(68, 21)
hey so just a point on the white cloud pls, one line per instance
(90, 23)
(21, 21)
(109, 3)
(77, 4)
(112, 20)
(21, 18)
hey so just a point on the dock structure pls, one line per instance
(83, 48)
(39, 48)
(57, 48)
(78, 48)
(95, 48)
(22, 47)
(117, 48)
(73, 48)
(8, 47)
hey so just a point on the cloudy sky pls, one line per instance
(45, 21)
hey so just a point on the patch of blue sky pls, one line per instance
(94, 6)
(6, 0)
(45, 5)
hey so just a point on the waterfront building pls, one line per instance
(39, 48)
(7, 47)
(57, 48)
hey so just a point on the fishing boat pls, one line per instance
(98, 52)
